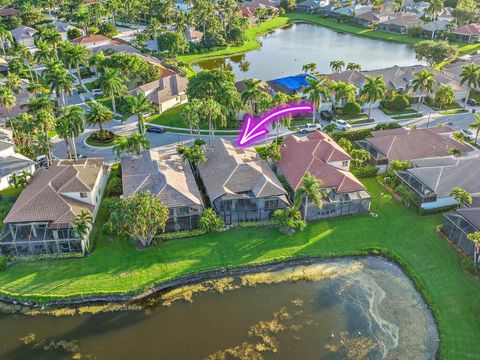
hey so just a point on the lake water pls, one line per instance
(285, 51)
(338, 309)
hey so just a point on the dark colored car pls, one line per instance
(471, 102)
(326, 115)
(155, 129)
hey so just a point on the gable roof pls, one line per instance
(402, 19)
(44, 197)
(316, 154)
(23, 32)
(87, 39)
(472, 215)
(6, 12)
(163, 89)
(468, 30)
(290, 84)
(229, 170)
(404, 144)
(161, 172)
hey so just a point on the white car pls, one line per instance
(309, 128)
(97, 92)
(341, 125)
(468, 134)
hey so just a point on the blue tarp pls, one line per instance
(294, 83)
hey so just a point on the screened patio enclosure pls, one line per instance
(456, 228)
(39, 238)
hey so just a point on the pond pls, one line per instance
(337, 309)
(286, 50)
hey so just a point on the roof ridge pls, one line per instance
(439, 177)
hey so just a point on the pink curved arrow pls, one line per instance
(252, 131)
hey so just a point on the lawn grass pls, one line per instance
(10, 191)
(117, 267)
(453, 111)
(389, 112)
(407, 116)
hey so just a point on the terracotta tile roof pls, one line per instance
(161, 172)
(403, 144)
(317, 153)
(90, 39)
(468, 30)
(229, 170)
(45, 199)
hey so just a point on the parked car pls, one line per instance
(468, 134)
(327, 115)
(309, 128)
(155, 129)
(41, 161)
(471, 102)
(81, 156)
(97, 92)
(342, 125)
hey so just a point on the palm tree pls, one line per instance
(435, 8)
(354, 66)
(316, 90)
(43, 55)
(425, 82)
(475, 238)
(7, 98)
(14, 82)
(344, 90)
(251, 93)
(35, 104)
(98, 115)
(194, 155)
(44, 147)
(455, 152)
(5, 36)
(373, 90)
(79, 56)
(461, 196)
(69, 125)
(280, 99)
(138, 105)
(311, 191)
(132, 144)
(309, 68)
(82, 223)
(53, 37)
(244, 66)
(112, 84)
(27, 57)
(337, 65)
(470, 75)
(213, 114)
(59, 80)
(476, 126)
(190, 113)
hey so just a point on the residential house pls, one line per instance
(163, 172)
(11, 162)
(24, 35)
(399, 22)
(193, 36)
(433, 180)
(248, 8)
(459, 224)
(3, 66)
(290, 85)
(468, 33)
(418, 8)
(372, 17)
(386, 146)
(435, 28)
(7, 13)
(446, 14)
(321, 156)
(20, 99)
(63, 28)
(165, 92)
(92, 41)
(42, 219)
(241, 186)
(311, 5)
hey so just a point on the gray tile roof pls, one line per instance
(462, 172)
(230, 170)
(472, 215)
(13, 164)
(162, 172)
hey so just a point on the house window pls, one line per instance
(345, 163)
(271, 204)
(183, 211)
(83, 195)
(225, 205)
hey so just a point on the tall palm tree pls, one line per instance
(470, 75)
(190, 113)
(59, 80)
(37, 103)
(343, 90)
(337, 65)
(213, 114)
(112, 83)
(475, 238)
(425, 82)
(309, 68)
(44, 146)
(476, 126)
(435, 8)
(316, 90)
(311, 191)
(354, 66)
(80, 56)
(138, 105)
(54, 39)
(251, 93)
(69, 125)
(82, 223)
(373, 90)
(27, 57)
(43, 55)
(132, 144)
(5, 36)
(461, 196)
(98, 115)
(14, 82)
(7, 98)
(280, 99)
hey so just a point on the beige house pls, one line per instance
(166, 92)
(162, 172)
(41, 220)
(92, 41)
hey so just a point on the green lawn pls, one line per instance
(11, 191)
(453, 111)
(117, 267)
(407, 116)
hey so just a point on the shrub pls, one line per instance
(365, 171)
(177, 235)
(400, 165)
(351, 108)
(400, 102)
(3, 262)
(352, 135)
(114, 187)
(387, 126)
(288, 220)
(210, 221)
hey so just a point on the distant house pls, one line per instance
(41, 220)
(311, 5)
(193, 36)
(418, 8)
(433, 180)
(326, 160)
(435, 28)
(372, 17)
(3, 66)
(63, 28)
(163, 173)
(24, 35)
(248, 8)
(241, 186)
(11, 162)
(20, 99)
(468, 33)
(92, 41)
(386, 146)
(114, 47)
(290, 85)
(458, 224)
(165, 92)
(446, 14)
(6, 13)
(399, 22)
